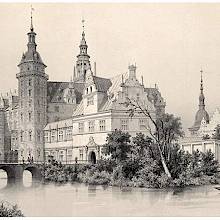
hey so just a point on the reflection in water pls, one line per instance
(3, 179)
(82, 200)
(27, 178)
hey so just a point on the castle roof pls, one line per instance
(55, 91)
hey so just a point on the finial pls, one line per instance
(83, 21)
(201, 84)
(32, 9)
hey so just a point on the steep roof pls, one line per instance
(56, 89)
(102, 84)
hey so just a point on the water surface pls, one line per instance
(81, 200)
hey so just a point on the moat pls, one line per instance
(81, 200)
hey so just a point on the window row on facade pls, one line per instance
(58, 135)
(29, 136)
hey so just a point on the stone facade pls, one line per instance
(68, 121)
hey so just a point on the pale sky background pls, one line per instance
(170, 43)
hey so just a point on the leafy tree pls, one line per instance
(208, 163)
(167, 129)
(117, 146)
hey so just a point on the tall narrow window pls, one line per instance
(53, 135)
(91, 126)
(102, 125)
(60, 134)
(81, 127)
(29, 92)
(38, 117)
(22, 117)
(124, 124)
(30, 135)
(38, 136)
(29, 82)
(29, 116)
(143, 124)
(22, 136)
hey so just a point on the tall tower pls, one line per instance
(32, 92)
(82, 63)
(201, 113)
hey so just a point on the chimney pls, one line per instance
(94, 68)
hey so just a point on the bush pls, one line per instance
(8, 210)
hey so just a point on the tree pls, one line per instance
(167, 129)
(117, 146)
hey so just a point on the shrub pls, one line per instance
(8, 210)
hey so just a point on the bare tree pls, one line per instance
(167, 129)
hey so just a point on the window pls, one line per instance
(138, 97)
(22, 117)
(90, 88)
(102, 125)
(81, 154)
(143, 124)
(38, 117)
(91, 126)
(53, 135)
(29, 82)
(60, 134)
(38, 136)
(69, 154)
(29, 116)
(22, 136)
(81, 127)
(30, 103)
(124, 124)
(30, 135)
(46, 136)
(21, 104)
(29, 92)
(61, 156)
(90, 101)
(69, 133)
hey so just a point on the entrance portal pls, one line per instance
(92, 157)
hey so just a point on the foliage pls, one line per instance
(117, 145)
(8, 210)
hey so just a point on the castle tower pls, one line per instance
(32, 92)
(201, 114)
(82, 63)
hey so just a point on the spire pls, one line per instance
(83, 46)
(201, 96)
(31, 35)
(32, 28)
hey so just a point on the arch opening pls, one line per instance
(31, 176)
(3, 178)
(7, 176)
(92, 157)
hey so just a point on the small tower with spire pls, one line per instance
(32, 92)
(201, 114)
(82, 63)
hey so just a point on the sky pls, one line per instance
(169, 42)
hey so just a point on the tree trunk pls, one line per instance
(166, 170)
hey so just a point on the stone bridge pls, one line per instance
(15, 171)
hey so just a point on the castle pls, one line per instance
(68, 121)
